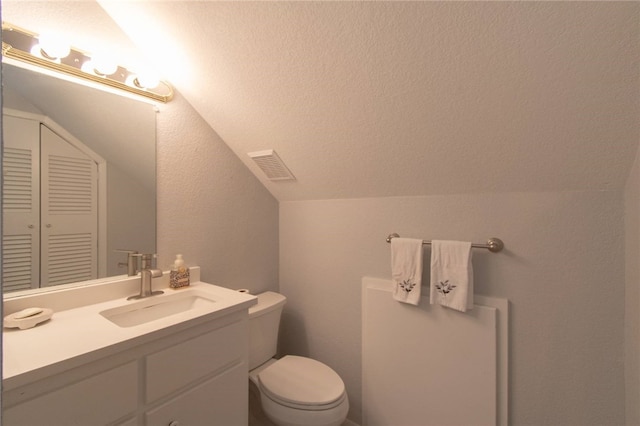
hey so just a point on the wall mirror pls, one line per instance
(79, 169)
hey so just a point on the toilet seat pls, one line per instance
(302, 383)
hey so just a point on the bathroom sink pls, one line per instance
(156, 307)
(93, 320)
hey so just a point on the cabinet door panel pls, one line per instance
(98, 400)
(179, 365)
(222, 400)
(69, 212)
(21, 204)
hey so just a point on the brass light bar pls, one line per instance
(18, 43)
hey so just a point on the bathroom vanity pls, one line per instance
(175, 359)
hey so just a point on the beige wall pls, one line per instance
(562, 270)
(210, 207)
(632, 296)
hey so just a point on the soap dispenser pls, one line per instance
(179, 275)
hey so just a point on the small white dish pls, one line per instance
(18, 320)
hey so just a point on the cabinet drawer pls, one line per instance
(221, 401)
(98, 400)
(177, 366)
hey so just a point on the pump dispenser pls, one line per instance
(179, 276)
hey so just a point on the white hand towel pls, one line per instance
(406, 269)
(451, 275)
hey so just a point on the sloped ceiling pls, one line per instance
(374, 99)
(120, 130)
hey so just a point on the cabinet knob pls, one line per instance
(174, 423)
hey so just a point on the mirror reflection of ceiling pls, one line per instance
(86, 25)
(89, 115)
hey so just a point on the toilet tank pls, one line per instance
(264, 323)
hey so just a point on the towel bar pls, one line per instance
(494, 245)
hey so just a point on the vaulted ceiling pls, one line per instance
(373, 99)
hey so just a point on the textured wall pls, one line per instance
(210, 207)
(562, 270)
(632, 296)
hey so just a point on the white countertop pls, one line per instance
(82, 330)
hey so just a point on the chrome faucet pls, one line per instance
(146, 278)
(132, 261)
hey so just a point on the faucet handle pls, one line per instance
(132, 261)
(147, 260)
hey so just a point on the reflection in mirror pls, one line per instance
(79, 180)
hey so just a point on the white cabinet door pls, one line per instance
(69, 212)
(97, 400)
(220, 401)
(21, 204)
(177, 366)
(60, 244)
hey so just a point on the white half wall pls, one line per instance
(447, 360)
(562, 270)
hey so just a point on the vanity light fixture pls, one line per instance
(56, 55)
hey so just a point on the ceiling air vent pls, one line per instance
(271, 165)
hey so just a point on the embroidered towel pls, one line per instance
(406, 269)
(451, 275)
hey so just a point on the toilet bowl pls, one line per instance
(298, 391)
(294, 390)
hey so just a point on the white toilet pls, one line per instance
(294, 390)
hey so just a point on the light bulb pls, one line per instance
(146, 80)
(53, 46)
(103, 64)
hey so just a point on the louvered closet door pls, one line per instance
(21, 204)
(69, 212)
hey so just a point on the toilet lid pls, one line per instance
(301, 381)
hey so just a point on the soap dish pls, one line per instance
(10, 321)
